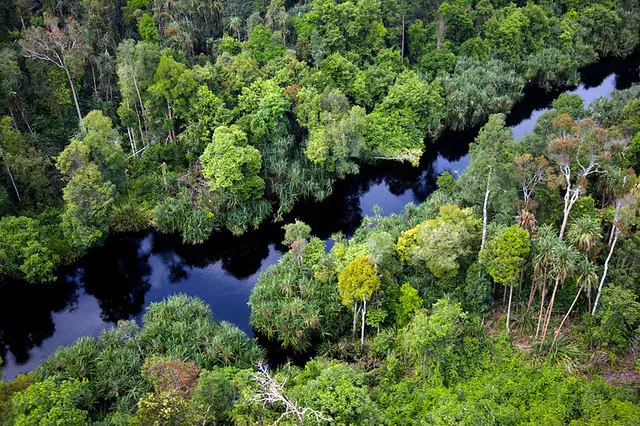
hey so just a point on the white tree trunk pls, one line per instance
(364, 312)
(6, 165)
(73, 93)
(604, 273)
(509, 309)
(355, 317)
(484, 210)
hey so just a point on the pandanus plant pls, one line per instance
(564, 259)
(587, 278)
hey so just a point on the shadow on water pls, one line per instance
(118, 280)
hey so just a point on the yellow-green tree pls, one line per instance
(357, 282)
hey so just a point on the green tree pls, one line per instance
(408, 303)
(490, 168)
(429, 341)
(357, 282)
(232, 165)
(49, 402)
(88, 202)
(148, 29)
(23, 253)
(504, 257)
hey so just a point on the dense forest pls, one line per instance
(199, 115)
(510, 296)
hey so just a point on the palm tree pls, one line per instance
(587, 278)
(564, 259)
(585, 233)
(234, 25)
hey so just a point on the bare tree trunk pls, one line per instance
(545, 328)
(509, 309)
(532, 294)
(13, 118)
(74, 94)
(364, 312)
(566, 316)
(355, 317)
(604, 273)
(484, 210)
(144, 113)
(544, 294)
(570, 198)
(6, 165)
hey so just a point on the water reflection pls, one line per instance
(118, 280)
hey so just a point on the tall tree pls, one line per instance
(356, 283)
(62, 45)
(491, 165)
(504, 257)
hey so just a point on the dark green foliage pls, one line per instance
(616, 323)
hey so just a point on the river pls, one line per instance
(118, 280)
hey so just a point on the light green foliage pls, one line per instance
(207, 113)
(22, 252)
(231, 164)
(264, 45)
(215, 394)
(444, 242)
(173, 85)
(335, 131)
(147, 29)
(296, 231)
(10, 388)
(504, 255)
(408, 303)
(49, 402)
(358, 281)
(162, 408)
(266, 106)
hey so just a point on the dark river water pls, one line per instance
(116, 281)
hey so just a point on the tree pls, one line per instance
(429, 341)
(504, 257)
(231, 164)
(490, 167)
(441, 244)
(23, 253)
(49, 402)
(577, 154)
(88, 203)
(295, 236)
(531, 172)
(173, 85)
(61, 46)
(626, 210)
(357, 282)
